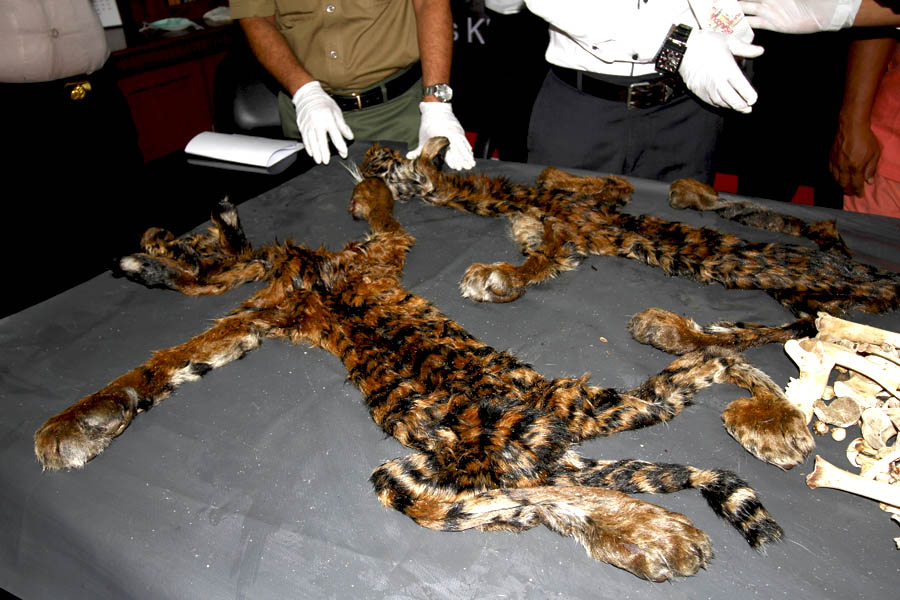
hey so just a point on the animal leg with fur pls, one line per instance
(504, 282)
(197, 264)
(689, 193)
(675, 334)
(205, 263)
(728, 495)
(766, 423)
(82, 431)
(592, 411)
(645, 539)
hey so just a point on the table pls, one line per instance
(253, 482)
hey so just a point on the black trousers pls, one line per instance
(74, 172)
(571, 129)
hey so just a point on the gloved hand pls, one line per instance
(710, 71)
(438, 120)
(800, 16)
(319, 118)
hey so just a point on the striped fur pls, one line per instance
(566, 218)
(491, 439)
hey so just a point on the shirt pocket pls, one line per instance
(293, 11)
(305, 8)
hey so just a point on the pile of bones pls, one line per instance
(849, 376)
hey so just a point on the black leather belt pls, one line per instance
(637, 94)
(381, 93)
(71, 88)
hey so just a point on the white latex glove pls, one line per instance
(800, 16)
(319, 118)
(438, 120)
(710, 71)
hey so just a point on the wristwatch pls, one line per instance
(672, 52)
(441, 91)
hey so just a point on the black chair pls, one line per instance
(245, 96)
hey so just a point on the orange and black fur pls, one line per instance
(492, 441)
(566, 218)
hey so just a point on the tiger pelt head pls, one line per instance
(407, 178)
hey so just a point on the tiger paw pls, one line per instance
(148, 271)
(689, 193)
(81, 432)
(771, 430)
(498, 282)
(653, 543)
(668, 332)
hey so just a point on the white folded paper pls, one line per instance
(245, 149)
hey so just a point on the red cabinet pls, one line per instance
(168, 83)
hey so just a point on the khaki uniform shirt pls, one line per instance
(345, 44)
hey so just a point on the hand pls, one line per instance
(854, 157)
(710, 71)
(318, 118)
(438, 120)
(800, 16)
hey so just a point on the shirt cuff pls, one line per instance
(505, 7)
(844, 14)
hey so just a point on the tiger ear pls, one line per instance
(434, 151)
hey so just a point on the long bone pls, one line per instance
(833, 328)
(828, 475)
(886, 375)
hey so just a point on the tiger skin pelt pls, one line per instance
(492, 441)
(567, 218)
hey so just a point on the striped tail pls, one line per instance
(728, 495)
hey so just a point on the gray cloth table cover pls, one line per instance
(253, 482)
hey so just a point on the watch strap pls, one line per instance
(672, 51)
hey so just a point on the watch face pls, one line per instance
(440, 91)
(668, 61)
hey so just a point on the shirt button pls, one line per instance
(54, 33)
(330, 8)
(333, 54)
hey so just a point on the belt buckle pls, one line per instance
(641, 94)
(636, 93)
(358, 97)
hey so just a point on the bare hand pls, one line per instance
(854, 157)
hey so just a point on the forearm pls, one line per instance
(866, 62)
(855, 151)
(873, 14)
(434, 27)
(274, 54)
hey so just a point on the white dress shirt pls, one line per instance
(618, 37)
(44, 40)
